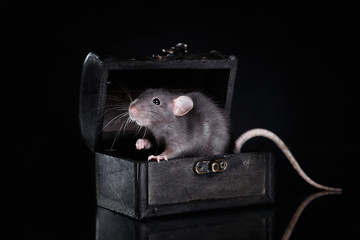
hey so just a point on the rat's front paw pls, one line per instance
(142, 144)
(158, 158)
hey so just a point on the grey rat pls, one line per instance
(191, 124)
(173, 120)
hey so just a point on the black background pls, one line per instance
(297, 76)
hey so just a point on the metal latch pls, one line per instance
(214, 166)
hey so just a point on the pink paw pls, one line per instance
(142, 144)
(157, 158)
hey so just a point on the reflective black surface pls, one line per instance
(246, 223)
(57, 200)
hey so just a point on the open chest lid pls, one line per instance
(108, 84)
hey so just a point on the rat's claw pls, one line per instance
(157, 158)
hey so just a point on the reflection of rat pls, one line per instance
(192, 124)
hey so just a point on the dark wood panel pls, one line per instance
(176, 181)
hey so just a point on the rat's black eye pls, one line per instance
(156, 101)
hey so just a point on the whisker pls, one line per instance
(154, 116)
(123, 126)
(126, 90)
(118, 133)
(144, 133)
(117, 98)
(115, 138)
(127, 122)
(114, 118)
(138, 130)
(119, 107)
(114, 109)
(111, 96)
(125, 106)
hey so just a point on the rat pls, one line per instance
(172, 120)
(192, 124)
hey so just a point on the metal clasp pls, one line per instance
(215, 166)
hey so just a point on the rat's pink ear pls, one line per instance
(182, 105)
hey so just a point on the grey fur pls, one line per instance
(203, 131)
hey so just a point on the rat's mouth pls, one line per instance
(132, 119)
(138, 121)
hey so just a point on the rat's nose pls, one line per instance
(133, 110)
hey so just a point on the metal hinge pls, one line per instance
(215, 166)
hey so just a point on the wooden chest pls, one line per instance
(125, 181)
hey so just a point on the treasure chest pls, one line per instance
(126, 182)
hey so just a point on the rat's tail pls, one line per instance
(270, 135)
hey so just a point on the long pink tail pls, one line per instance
(259, 132)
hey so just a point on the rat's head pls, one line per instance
(157, 106)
